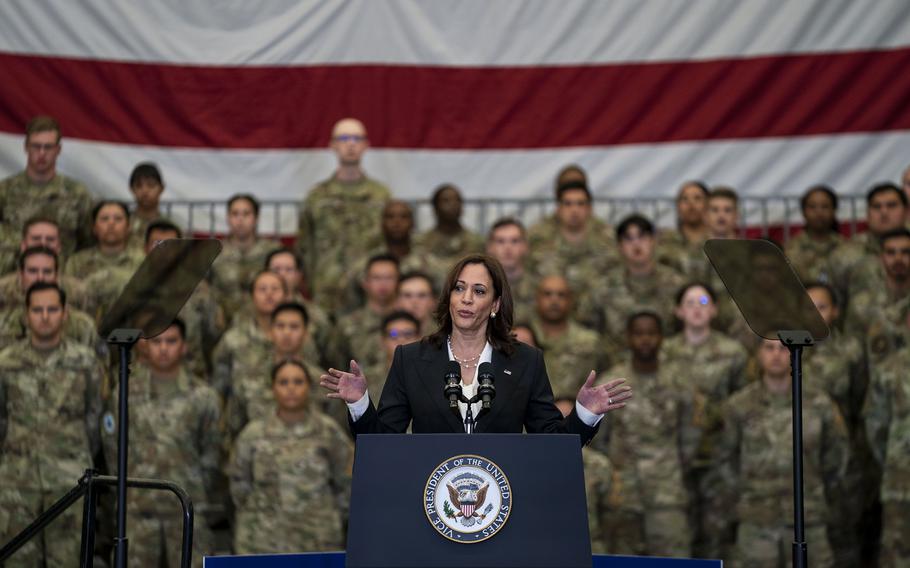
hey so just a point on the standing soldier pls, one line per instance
(754, 473)
(810, 250)
(507, 242)
(651, 446)
(174, 429)
(398, 328)
(290, 474)
(146, 185)
(111, 228)
(339, 219)
(50, 409)
(872, 291)
(448, 240)
(681, 249)
(40, 189)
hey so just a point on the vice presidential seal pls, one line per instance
(467, 498)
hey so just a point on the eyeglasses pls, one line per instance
(395, 334)
(349, 138)
(36, 147)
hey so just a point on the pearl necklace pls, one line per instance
(470, 362)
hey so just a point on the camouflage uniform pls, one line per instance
(65, 199)
(243, 346)
(449, 248)
(570, 357)
(524, 296)
(86, 262)
(651, 444)
(376, 374)
(599, 481)
(356, 336)
(715, 369)
(842, 267)
(9, 248)
(887, 419)
(291, 485)
(233, 271)
(868, 305)
(754, 477)
(50, 407)
(79, 327)
(338, 221)
(810, 257)
(888, 333)
(616, 295)
(173, 435)
(580, 263)
(139, 226)
(11, 295)
(687, 258)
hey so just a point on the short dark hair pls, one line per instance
(162, 225)
(832, 197)
(634, 220)
(283, 250)
(724, 192)
(291, 307)
(32, 251)
(695, 283)
(290, 361)
(180, 325)
(570, 171)
(832, 294)
(399, 315)
(499, 329)
(42, 123)
(146, 171)
(573, 185)
(39, 219)
(412, 274)
(885, 187)
(437, 193)
(104, 203)
(40, 287)
(894, 234)
(383, 257)
(249, 197)
(507, 222)
(693, 183)
(644, 314)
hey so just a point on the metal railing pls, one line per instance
(86, 488)
(279, 217)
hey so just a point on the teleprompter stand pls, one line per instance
(148, 305)
(776, 306)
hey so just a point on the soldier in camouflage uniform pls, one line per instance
(246, 342)
(714, 365)
(886, 207)
(39, 264)
(448, 240)
(111, 229)
(889, 333)
(41, 190)
(754, 476)
(887, 421)
(416, 294)
(50, 407)
(146, 185)
(286, 263)
(681, 249)
(507, 242)
(869, 299)
(290, 474)
(570, 351)
(340, 217)
(638, 283)
(398, 328)
(242, 255)
(356, 336)
(651, 444)
(574, 244)
(601, 490)
(810, 250)
(173, 429)
(397, 226)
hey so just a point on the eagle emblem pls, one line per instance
(469, 498)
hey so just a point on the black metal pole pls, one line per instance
(800, 547)
(42, 521)
(89, 506)
(120, 543)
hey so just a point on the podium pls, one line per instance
(455, 500)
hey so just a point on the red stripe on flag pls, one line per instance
(461, 108)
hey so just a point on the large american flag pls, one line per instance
(229, 96)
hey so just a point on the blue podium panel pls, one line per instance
(336, 560)
(405, 510)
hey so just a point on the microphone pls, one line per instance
(486, 389)
(453, 383)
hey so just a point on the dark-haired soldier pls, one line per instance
(573, 243)
(111, 227)
(873, 291)
(50, 410)
(449, 239)
(638, 283)
(810, 250)
(174, 420)
(651, 445)
(146, 185)
(41, 190)
(681, 249)
(34, 263)
(507, 242)
(397, 328)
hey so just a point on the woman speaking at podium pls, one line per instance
(475, 321)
